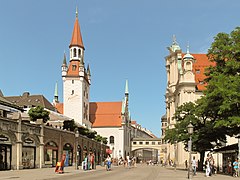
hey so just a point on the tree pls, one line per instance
(223, 80)
(69, 125)
(204, 138)
(38, 113)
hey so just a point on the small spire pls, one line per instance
(188, 55)
(126, 87)
(64, 58)
(188, 48)
(174, 40)
(76, 12)
(56, 90)
(56, 94)
(88, 70)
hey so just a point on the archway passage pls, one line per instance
(146, 155)
(68, 151)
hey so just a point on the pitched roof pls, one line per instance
(76, 35)
(59, 107)
(105, 114)
(4, 101)
(201, 63)
(30, 101)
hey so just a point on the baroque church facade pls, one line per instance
(185, 83)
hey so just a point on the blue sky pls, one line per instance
(124, 39)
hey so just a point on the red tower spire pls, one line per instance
(76, 35)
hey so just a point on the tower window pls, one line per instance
(79, 53)
(74, 52)
(72, 81)
(72, 92)
(74, 67)
(111, 139)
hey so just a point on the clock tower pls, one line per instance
(76, 80)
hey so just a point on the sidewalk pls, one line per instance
(44, 173)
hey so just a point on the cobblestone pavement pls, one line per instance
(141, 172)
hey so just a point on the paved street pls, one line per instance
(141, 172)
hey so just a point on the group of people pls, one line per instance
(89, 162)
(210, 167)
(128, 162)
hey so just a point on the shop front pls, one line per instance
(50, 154)
(5, 152)
(28, 154)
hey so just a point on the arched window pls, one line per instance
(188, 66)
(79, 53)
(74, 52)
(111, 139)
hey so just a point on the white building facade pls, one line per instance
(185, 82)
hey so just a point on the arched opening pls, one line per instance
(111, 139)
(51, 154)
(74, 52)
(68, 150)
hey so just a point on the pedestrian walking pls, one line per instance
(186, 164)
(236, 167)
(207, 165)
(108, 163)
(194, 166)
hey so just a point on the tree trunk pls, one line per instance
(200, 165)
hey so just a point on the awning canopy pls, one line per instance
(227, 149)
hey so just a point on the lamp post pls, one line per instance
(175, 155)
(76, 136)
(101, 155)
(190, 132)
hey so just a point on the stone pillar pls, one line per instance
(41, 143)
(19, 145)
(41, 147)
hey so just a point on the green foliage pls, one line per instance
(99, 138)
(69, 125)
(104, 140)
(222, 94)
(38, 113)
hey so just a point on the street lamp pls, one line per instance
(175, 155)
(76, 136)
(190, 132)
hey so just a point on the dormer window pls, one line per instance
(197, 71)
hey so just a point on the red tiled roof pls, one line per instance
(76, 35)
(59, 107)
(105, 114)
(200, 64)
(75, 71)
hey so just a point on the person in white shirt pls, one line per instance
(194, 165)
